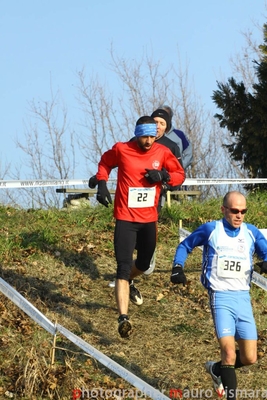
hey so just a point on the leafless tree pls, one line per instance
(243, 62)
(142, 87)
(49, 152)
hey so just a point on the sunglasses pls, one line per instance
(236, 211)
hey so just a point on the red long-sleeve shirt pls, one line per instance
(131, 197)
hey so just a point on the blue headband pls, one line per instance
(146, 130)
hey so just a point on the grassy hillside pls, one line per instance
(62, 262)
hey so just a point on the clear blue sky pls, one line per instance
(44, 41)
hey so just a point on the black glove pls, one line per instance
(92, 183)
(103, 195)
(155, 175)
(263, 267)
(178, 275)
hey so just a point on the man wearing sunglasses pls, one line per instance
(227, 266)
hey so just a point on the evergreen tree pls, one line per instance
(244, 114)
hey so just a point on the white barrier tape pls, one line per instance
(183, 233)
(257, 279)
(223, 181)
(42, 183)
(138, 383)
(71, 182)
(27, 307)
(41, 320)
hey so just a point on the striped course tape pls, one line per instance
(42, 183)
(27, 307)
(72, 182)
(257, 279)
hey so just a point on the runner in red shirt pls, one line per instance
(143, 166)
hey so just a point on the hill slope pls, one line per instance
(62, 263)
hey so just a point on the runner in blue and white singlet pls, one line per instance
(227, 265)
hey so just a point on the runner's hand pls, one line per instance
(155, 175)
(263, 267)
(103, 195)
(92, 182)
(178, 275)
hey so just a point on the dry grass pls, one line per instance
(63, 264)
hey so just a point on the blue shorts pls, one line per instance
(232, 315)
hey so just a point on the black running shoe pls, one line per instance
(125, 326)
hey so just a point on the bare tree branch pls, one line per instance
(48, 147)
